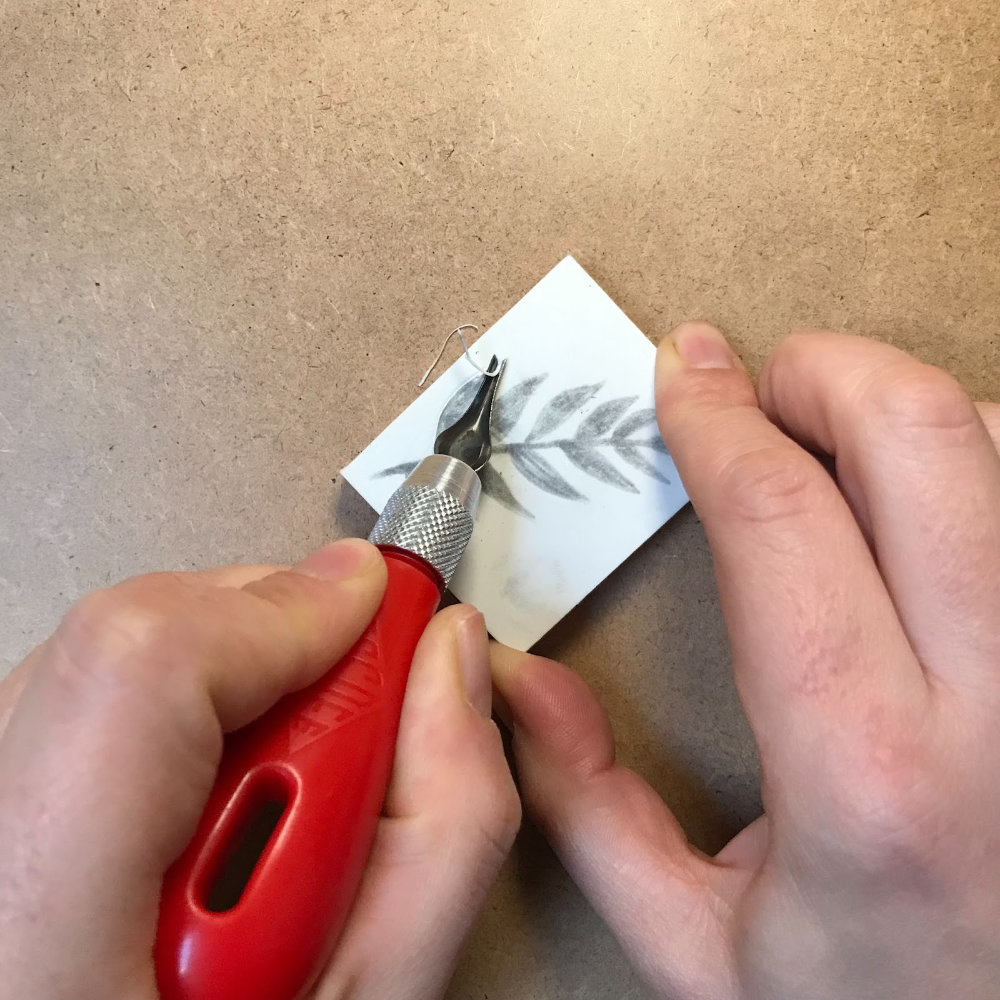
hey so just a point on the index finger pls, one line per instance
(915, 456)
(818, 650)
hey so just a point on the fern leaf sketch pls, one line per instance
(633, 423)
(605, 417)
(591, 461)
(537, 469)
(560, 408)
(510, 405)
(613, 429)
(496, 487)
(403, 469)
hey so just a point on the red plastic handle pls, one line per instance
(318, 763)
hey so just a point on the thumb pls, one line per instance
(668, 905)
(449, 819)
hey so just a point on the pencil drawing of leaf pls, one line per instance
(495, 486)
(403, 469)
(511, 402)
(609, 430)
(605, 417)
(561, 407)
(633, 423)
(631, 454)
(594, 464)
(458, 404)
(541, 472)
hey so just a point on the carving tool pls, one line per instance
(253, 908)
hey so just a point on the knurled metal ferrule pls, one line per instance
(432, 513)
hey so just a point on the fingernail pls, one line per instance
(341, 560)
(474, 661)
(701, 345)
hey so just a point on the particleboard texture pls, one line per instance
(234, 234)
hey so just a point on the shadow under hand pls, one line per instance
(537, 936)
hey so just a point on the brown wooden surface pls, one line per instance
(234, 234)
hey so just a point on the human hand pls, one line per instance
(864, 618)
(111, 731)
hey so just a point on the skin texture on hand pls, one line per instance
(863, 612)
(111, 732)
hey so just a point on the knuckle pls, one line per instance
(494, 811)
(115, 634)
(322, 601)
(286, 586)
(917, 401)
(701, 389)
(887, 815)
(481, 820)
(797, 343)
(500, 815)
(498, 829)
(789, 354)
(768, 484)
(507, 818)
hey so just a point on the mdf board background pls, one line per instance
(235, 233)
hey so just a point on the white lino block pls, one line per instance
(579, 478)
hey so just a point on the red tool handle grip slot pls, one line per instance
(307, 781)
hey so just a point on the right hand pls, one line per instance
(864, 618)
(111, 732)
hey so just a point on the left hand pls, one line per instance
(863, 612)
(110, 734)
